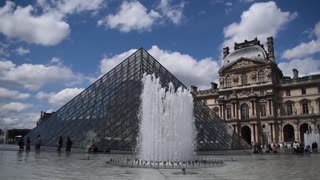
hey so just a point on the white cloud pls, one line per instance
(61, 97)
(186, 68)
(19, 120)
(12, 94)
(21, 23)
(77, 6)
(173, 12)
(132, 15)
(34, 76)
(306, 66)
(316, 30)
(22, 51)
(302, 50)
(251, 24)
(14, 107)
(246, 1)
(107, 63)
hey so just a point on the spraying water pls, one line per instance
(167, 130)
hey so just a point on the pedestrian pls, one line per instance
(38, 143)
(68, 144)
(28, 144)
(316, 146)
(60, 142)
(21, 144)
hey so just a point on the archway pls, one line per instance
(303, 129)
(246, 134)
(288, 133)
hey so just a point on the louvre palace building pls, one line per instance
(258, 101)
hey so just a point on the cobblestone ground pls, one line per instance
(75, 165)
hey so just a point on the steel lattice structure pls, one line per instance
(107, 112)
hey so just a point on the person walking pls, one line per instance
(68, 144)
(60, 142)
(37, 144)
(28, 144)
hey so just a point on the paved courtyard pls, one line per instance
(75, 165)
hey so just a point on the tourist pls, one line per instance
(60, 141)
(28, 144)
(68, 144)
(274, 149)
(38, 143)
(313, 147)
(21, 144)
(316, 146)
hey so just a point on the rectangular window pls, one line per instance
(263, 110)
(289, 109)
(228, 113)
(305, 108)
(303, 91)
(288, 93)
(262, 93)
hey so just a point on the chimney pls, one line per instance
(225, 52)
(295, 73)
(270, 48)
(214, 86)
(194, 89)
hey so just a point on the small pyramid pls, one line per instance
(106, 113)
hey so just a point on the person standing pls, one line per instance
(38, 143)
(28, 144)
(21, 144)
(60, 142)
(68, 144)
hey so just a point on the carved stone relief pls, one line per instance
(253, 76)
(235, 78)
(268, 73)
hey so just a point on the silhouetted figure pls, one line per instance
(28, 144)
(60, 142)
(21, 144)
(38, 143)
(316, 146)
(68, 144)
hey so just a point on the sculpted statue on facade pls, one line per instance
(235, 78)
(221, 81)
(253, 76)
(268, 73)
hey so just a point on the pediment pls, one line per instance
(244, 63)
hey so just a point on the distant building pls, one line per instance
(258, 102)
(44, 116)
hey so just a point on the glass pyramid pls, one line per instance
(106, 113)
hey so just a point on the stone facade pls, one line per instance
(258, 102)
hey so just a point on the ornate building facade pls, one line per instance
(258, 102)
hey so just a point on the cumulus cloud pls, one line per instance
(77, 6)
(13, 107)
(19, 120)
(302, 50)
(132, 15)
(187, 69)
(12, 94)
(306, 66)
(22, 23)
(61, 97)
(172, 12)
(34, 76)
(22, 51)
(250, 24)
(305, 49)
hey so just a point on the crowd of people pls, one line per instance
(38, 143)
(295, 148)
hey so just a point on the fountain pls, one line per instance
(167, 131)
(310, 138)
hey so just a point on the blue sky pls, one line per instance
(51, 50)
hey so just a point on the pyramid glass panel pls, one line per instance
(106, 113)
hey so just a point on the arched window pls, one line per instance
(244, 79)
(228, 81)
(260, 76)
(244, 111)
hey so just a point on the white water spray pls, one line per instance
(167, 130)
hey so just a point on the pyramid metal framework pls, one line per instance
(106, 113)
